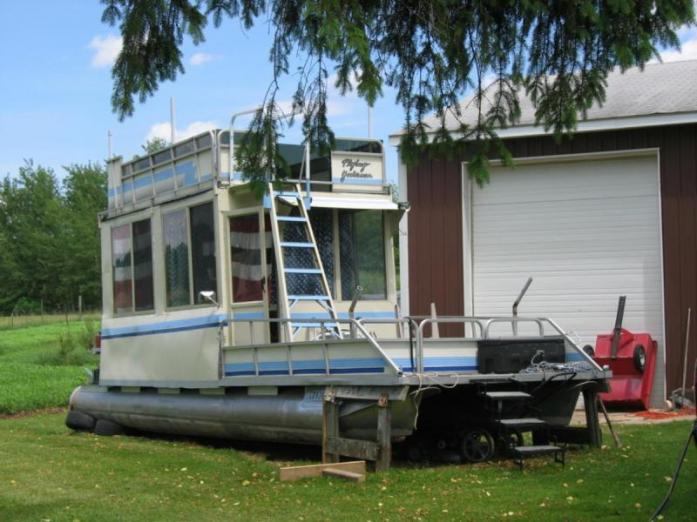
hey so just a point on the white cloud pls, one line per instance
(201, 58)
(106, 50)
(688, 47)
(162, 130)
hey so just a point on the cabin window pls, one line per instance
(142, 266)
(190, 266)
(203, 250)
(131, 252)
(362, 254)
(245, 259)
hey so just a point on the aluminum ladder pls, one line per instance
(286, 301)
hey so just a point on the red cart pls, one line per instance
(632, 359)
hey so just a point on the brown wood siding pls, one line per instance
(435, 226)
(435, 240)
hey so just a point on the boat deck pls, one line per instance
(358, 357)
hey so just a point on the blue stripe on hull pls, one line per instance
(181, 325)
(307, 367)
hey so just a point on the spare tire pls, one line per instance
(77, 420)
(639, 358)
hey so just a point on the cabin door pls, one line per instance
(250, 247)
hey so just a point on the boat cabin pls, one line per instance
(194, 259)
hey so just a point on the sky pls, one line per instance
(55, 87)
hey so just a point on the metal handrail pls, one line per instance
(436, 320)
(417, 324)
(322, 322)
(568, 339)
(514, 320)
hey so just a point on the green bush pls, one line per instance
(26, 306)
(74, 348)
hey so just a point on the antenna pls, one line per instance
(370, 121)
(108, 144)
(173, 131)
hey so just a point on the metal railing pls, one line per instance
(326, 330)
(408, 328)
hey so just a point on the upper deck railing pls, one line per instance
(197, 163)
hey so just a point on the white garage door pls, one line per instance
(587, 231)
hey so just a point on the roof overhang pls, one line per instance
(354, 201)
(628, 122)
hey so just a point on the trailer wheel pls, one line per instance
(477, 445)
(107, 428)
(77, 420)
(639, 358)
(589, 350)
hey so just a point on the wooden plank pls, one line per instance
(343, 474)
(362, 449)
(315, 470)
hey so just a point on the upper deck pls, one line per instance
(353, 171)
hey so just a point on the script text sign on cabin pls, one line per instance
(357, 171)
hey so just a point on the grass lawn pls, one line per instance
(33, 372)
(50, 473)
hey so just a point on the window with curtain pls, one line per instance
(131, 252)
(245, 259)
(176, 238)
(190, 255)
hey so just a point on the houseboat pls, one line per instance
(273, 315)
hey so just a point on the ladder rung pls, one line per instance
(286, 194)
(308, 298)
(302, 271)
(298, 219)
(296, 244)
(313, 324)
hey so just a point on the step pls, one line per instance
(522, 424)
(302, 270)
(308, 298)
(527, 451)
(286, 194)
(296, 244)
(522, 452)
(296, 219)
(507, 395)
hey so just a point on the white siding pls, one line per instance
(586, 230)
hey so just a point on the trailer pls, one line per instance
(275, 317)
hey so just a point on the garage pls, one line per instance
(609, 211)
(586, 229)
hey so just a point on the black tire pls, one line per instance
(589, 350)
(77, 420)
(639, 358)
(107, 428)
(477, 446)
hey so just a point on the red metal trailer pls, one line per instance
(632, 359)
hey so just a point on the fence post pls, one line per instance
(79, 306)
